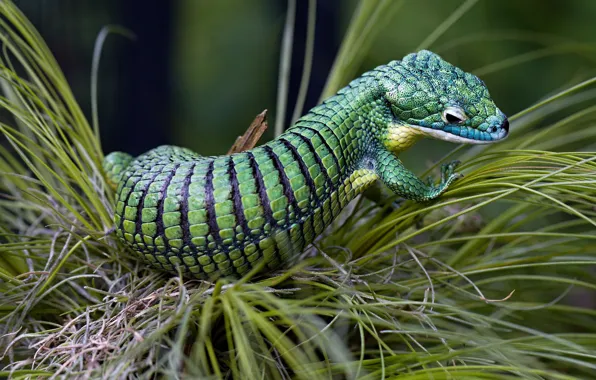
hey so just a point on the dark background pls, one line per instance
(199, 71)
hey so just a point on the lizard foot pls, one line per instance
(448, 175)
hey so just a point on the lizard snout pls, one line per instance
(505, 126)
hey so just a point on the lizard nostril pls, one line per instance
(505, 125)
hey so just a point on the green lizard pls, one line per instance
(220, 216)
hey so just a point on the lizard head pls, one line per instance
(430, 97)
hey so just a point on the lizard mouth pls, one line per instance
(466, 135)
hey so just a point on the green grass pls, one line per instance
(492, 281)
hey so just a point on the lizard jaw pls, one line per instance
(446, 136)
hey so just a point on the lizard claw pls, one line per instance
(448, 171)
(448, 175)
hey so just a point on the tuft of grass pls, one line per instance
(493, 280)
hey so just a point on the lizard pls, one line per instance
(220, 216)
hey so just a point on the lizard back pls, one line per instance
(219, 216)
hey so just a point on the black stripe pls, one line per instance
(289, 194)
(160, 202)
(139, 222)
(210, 205)
(237, 199)
(329, 183)
(264, 199)
(303, 169)
(186, 239)
(132, 188)
(309, 183)
(327, 144)
(315, 112)
(335, 160)
(287, 187)
(318, 159)
(261, 189)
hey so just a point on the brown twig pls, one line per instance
(252, 135)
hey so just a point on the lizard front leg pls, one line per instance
(405, 183)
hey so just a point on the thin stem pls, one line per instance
(368, 21)
(308, 57)
(97, 49)
(445, 25)
(284, 68)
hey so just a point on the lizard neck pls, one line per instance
(345, 131)
(353, 122)
(400, 137)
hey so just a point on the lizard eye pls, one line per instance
(454, 115)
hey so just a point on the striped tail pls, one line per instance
(114, 165)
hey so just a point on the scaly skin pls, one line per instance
(220, 216)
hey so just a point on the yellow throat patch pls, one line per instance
(401, 137)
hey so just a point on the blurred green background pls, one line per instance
(199, 70)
